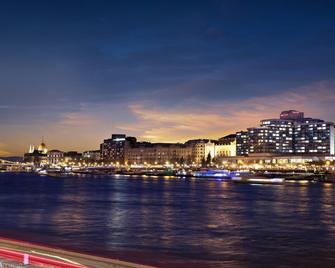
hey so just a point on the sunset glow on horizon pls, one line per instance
(169, 72)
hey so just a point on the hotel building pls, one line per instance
(314, 136)
(113, 149)
(291, 134)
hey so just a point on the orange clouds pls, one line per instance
(85, 128)
(3, 150)
(78, 119)
(220, 118)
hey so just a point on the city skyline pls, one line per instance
(73, 74)
(287, 117)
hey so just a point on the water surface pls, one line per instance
(173, 222)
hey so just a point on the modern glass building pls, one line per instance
(242, 143)
(314, 136)
(291, 134)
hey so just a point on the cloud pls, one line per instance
(3, 150)
(77, 119)
(4, 153)
(218, 118)
(85, 126)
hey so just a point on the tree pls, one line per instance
(209, 159)
(203, 162)
(189, 160)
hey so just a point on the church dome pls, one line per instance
(42, 148)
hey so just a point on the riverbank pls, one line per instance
(234, 176)
(65, 256)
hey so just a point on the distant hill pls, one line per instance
(13, 158)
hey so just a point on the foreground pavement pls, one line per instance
(61, 258)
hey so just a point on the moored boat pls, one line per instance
(212, 173)
(253, 179)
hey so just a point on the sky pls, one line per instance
(76, 71)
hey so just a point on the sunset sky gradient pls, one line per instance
(76, 71)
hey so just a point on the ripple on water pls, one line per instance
(173, 223)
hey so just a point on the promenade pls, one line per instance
(11, 249)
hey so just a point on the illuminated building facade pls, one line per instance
(201, 150)
(38, 157)
(72, 157)
(191, 152)
(314, 136)
(91, 156)
(242, 143)
(273, 136)
(114, 149)
(292, 115)
(158, 153)
(291, 134)
(226, 146)
(55, 157)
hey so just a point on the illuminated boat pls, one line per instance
(184, 173)
(41, 171)
(212, 173)
(252, 179)
(238, 173)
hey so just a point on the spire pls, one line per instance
(31, 148)
(42, 148)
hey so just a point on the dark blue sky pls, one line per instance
(68, 67)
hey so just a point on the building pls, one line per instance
(191, 152)
(158, 153)
(314, 137)
(91, 156)
(72, 157)
(242, 143)
(55, 157)
(113, 149)
(273, 136)
(292, 115)
(225, 146)
(38, 157)
(291, 134)
(276, 159)
(200, 149)
(227, 139)
(203, 148)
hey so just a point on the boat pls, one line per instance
(327, 178)
(184, 173)
(302, 178)
(212, 173)
(160, 172)
(41, 171)
(237, 173)
(253, 179)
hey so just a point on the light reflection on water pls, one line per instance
(174, 222)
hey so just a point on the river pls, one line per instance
(170, 222)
